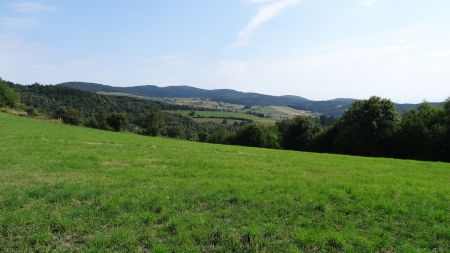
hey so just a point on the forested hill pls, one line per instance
(334, 107)
(224, 95)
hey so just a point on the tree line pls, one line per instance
(370, 127)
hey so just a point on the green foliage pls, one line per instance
(31, 111)
(297, 133)
(152, 122)
(367, 128)
(73, 189)
(8, 98)
(117, 121)
(68, 115)
(174, 132)
(423, 134)
(202, 136)
(324, 141)
(256, 135)
(221, 136)
(49, 98)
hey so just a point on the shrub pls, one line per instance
(221, 136)
(68, 115)
(117, 121)
(297, 133)
(256, 135)
(174, 132)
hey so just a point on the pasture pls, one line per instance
(66, 188)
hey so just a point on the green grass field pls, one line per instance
(223, 114)
(65, 188)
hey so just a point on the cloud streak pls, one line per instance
(267, 10)
(32, 7)
(18, 22)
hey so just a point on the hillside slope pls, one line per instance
(67, 188)
(334, 107)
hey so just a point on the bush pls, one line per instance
(256, 135)
(297, 133)
(31, 111)
(220, 136)
(174, 132)
(202, 136)
(68, 115)
(117, 121)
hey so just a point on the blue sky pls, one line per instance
(319, 49)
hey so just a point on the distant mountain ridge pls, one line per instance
(334, 107)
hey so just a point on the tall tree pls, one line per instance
(152, 122)
(423, 133)
(8, 97)
(367, 127)
(297, 133)
(116, 121)
(256, 135)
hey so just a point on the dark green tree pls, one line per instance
(446, 122)
(324, 141)
(297, 133)
(221, 136)
(174, 132)
(152, 122)
(256, 135)
(117, 121)
(101, 120)
(68, 115)
(367, 128)
(8, 97)
(423, 133)
(202, 136)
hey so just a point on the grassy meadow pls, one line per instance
(65, 188)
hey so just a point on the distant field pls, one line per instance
(216, 120)
(222, 114)
(193, 102)
(273, 113)
(280, 112)
(74, 189)
(290, 111)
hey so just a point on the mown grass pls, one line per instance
(224, 114)
(65, 188)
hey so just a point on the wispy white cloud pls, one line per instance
(414, 59)
(368, 3)
(17, 22)
(268, 9)
(32, 7)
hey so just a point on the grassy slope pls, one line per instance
(71, 188)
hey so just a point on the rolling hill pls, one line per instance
(74, 189)
(334, 107)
